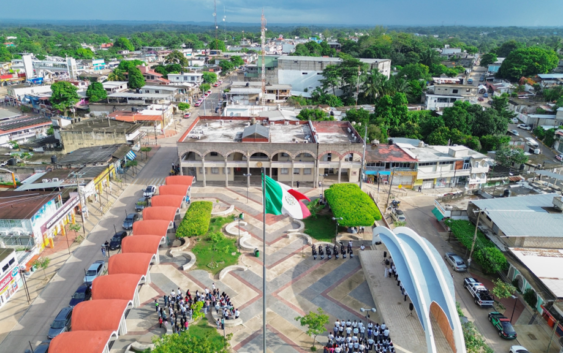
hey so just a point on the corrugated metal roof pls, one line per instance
(545, 264)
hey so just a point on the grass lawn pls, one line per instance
(202, 329)
(220, 253)
(321, 228)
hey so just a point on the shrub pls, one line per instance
(352, 204)
(530, 297)
(486, 254)
(196, 220)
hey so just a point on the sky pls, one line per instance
(322, 12)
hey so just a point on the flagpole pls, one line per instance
(263, 260)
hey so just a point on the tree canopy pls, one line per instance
(124, 44)
(96, 92)
(509, 157)
(237, 60)
(64, 95)
(209, 77)
(314, 115)
(175, 57)
(526, 62)
(136, 78)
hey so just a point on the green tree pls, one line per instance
(415, 72)
(183, 106)
(237, 60)
(314, 115)
(185, 342)
(359, 116)
(374, 85)
(175, 57)
(508, 47)
(441, 136)
(124, 44)
(117, 75)
(226, 66)
(331, 78)
(146, 150)
(502, 290)
(217, 44)
(209, 77)
(96, 92)
(64, 96)
(507, 157)
(5, 55)
(204, 87)
(488, 59)
(126, 65)
(42, 263)
(493, 142)
(376, 133)
(136, 78)
(315, 323)
(526, 62)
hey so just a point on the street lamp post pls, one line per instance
(22, 274)
(247, 184)
(240, 217)
(336, 230)
(366, 311)
(323, 184)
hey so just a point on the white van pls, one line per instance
(531, 142)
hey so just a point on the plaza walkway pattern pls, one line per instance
(296, 284)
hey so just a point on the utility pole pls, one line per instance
(363, 156)
(552, 333)
(474, 238)
(80, 201)
(390, 184)
(263, 39)
(358, 86)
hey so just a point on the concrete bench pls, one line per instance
(301, 226)
(228, 323)
(139, 347)
(231, 229)
(175, 252)
(191, 262)
(301, 235)
(225, 212)
(228, 269)
(245, 244)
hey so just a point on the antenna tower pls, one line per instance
(263, 37)
(216, 27)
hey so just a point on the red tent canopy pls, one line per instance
(122, 286)
(80, 341)
(147, 244)
(161, 213)
(137, 264)
(151, 227)
(180, 190)
(179, 180)
(98, 315)
(167, 201)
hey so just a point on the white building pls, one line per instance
(10, 277)
(190, 78)
(438, 97)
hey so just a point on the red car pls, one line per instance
(187, 115)
(197, 104)
(559, 157)
(209, 92)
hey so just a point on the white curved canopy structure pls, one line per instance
(427, 280)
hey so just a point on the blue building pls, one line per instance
(98, 64)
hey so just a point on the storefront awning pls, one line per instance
(371, 172)
(131, 155)
(436, 212)
(29, 264)
(382, 172)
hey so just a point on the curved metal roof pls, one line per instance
(425, 277)
(154, 227)
(161, 213)
(120, 286)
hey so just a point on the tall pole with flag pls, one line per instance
(277, 199)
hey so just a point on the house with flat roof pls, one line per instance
(98, 132)
(447, 166)
(22, 129)
(440, 96)
(220, 150)
(386, 164)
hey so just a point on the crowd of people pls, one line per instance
(350, 336)
(178, 308)
(335, 250)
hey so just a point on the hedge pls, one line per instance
(352, 204)
(196, 220)
(486, 253)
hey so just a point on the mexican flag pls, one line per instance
(281, 199)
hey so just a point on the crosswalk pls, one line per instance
(149, 181)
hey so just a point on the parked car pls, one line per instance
(43, 347)
(524, 127)
(518, 349)
(129, 220)
(455, 261)
(205, 95)
(197, 104)
(398, 215)
(115, 242)
(94, 271)
(485, 95)
(559, 157)
(187, 115)
(482, 78)
(141, 204)
(208, 92)
(503, 325)
(480, 99)
(216, 84)
(514, 132)
(82, 293)
(61, 323)
(479, 292)
(149, 191)
(514, 120)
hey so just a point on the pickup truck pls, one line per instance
(479, 292)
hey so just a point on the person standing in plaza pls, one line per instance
(104, 250)
(328, 252)
(335, 250)
(343, 250)
(314, 250)
(321, 252)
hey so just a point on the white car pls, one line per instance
(514, 132)
(149, 191)
(524, 127)
(398, 215)
(518, 349)
(514, 121)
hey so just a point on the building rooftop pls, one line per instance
(5, 252)
(230, 129)
(326, 59)
(103, 125)
(21, 122)
(96, 154)
(545, 264)
(23, 204)
(387, 153)
(439, 153)
(524, 216)
(140, 95)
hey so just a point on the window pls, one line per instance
(227, 171)
(468, 90)
(445, 163)
(426, 164)
(214, 154)
(200, 170)
(307, 171)
(6, 267)
(12, 261)
(295, 170)
(283, 154)
(304, 73)
(284, 171)
(455, 91)
(214, 170)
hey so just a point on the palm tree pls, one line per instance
(401, 85)
(429, 57)
(373, 85)
(116, 75)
